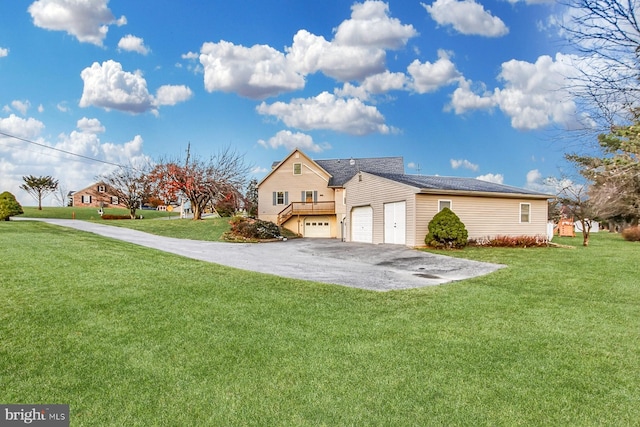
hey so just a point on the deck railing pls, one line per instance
(303, 208)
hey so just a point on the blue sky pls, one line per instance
(462, 88)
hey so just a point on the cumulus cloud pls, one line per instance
(533, 176)
(311, 53)
(90, 125)
(256, 72)
(490, 177)
(327, 111)
(357, 51)
(374, 85)
(429, 77)
(172, 94)
(19, 158)
(4, 52)
(463, 163)
(371, 26)
(21, 106)
(87, 20)
(108, 86)
(534, 94)
(465, 99)
(133, 44)
(290, 140)
(466, 17)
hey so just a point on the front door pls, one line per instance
(395, 223)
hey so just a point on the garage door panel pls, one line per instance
(362, 224)
(317, 227)
(395, 223)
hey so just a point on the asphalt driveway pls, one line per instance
(358, 265)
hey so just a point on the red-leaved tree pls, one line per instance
(201, 181)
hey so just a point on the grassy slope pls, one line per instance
(131, 336)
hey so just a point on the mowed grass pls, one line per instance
(132, 336)
(160, 223)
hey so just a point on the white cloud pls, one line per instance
(463, 163)
(534, 94)
(256, 72)
(326, 111)
(290, 140)
(466, 17)
(428, 77)
(371, 26)
(40, 108)
(62, 107)
(374, 85)
(171, 94)
(87, 20)
(465, 99)
(90, 125)
(21, 106)
(4, 52)
(533, 176)
(108, 86)
(310, 54)
(19, 158)
(23, 128)
(132, 43)
(490, 177)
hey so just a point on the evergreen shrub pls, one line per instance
(446, 231)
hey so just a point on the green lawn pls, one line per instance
(132, 336)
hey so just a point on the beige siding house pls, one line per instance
(372, 200)
(401, 206)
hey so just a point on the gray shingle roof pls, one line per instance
(342, 170)
(448, 183)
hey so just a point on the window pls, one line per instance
(114, 200)
(525, 212)
(101, 189)
(444, 204)
(297, 168)
(280, 198)
(86, 199)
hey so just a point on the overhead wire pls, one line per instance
(59, 150)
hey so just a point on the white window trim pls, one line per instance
(445, 200)
(529, 214)
(294, 168)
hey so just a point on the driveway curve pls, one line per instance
(358, 265)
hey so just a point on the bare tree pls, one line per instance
(573, 199)
(607, 35)
(203, 182)
(61, 195)
(131, 185)
(39, 187)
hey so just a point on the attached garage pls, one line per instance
(362, 224)
(395, 223)
(317, 226)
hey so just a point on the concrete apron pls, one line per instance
(358, 265)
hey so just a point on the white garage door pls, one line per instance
(317, 227)
(395, 223)
(362, 224)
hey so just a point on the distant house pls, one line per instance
(372, 200)
(96, 195)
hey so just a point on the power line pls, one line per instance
(60, 150)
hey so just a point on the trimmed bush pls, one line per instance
(9, 206)
(631, 234)
(108, 216)
(250, 228)
(446, 231)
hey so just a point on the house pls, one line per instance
(372, 200)
(98, 195)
